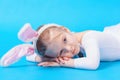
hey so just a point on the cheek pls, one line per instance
(72, 39)
(67, 55)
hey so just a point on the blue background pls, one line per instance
(77, 15)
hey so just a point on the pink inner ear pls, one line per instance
(27, 34)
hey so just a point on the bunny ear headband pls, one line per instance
(26, 34)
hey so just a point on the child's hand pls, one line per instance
(61, 59)
(68, 62)
(65, 63)
(52, 61)
(47, 62)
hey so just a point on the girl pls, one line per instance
(58, 43)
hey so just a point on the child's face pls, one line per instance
(62, 43)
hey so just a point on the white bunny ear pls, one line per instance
(27, 34)
(16, 53)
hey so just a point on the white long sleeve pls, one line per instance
(99, 46)
(92, 59)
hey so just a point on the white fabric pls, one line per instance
(47, 26)
(31, 57)
(99, 46)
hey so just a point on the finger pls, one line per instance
(53, 64)
(47, 64)
(61, 60)
(41, 64)
(66, 58)
(57, 60)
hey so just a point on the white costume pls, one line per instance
(100, 46)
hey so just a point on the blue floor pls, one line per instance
(29, 71)
(77, 15)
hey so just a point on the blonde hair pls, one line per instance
(43, 39)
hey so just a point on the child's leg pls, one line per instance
(34, 58)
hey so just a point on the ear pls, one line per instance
(65, 29)
(27, 34)
(16, 53)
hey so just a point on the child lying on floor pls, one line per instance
(56, 42)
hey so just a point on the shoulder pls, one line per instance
(90, 33)
(90, 36)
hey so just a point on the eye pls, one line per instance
(65, 40)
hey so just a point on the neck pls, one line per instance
(79, 36)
